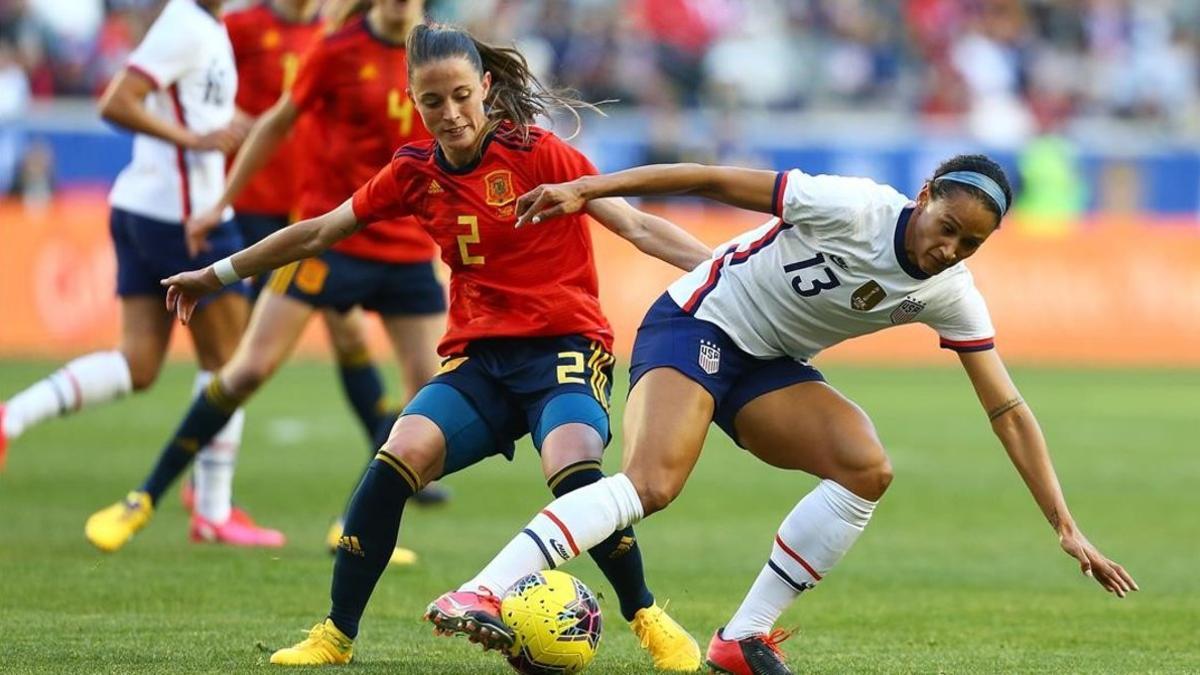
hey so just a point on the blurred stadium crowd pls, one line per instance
(1034, 62)
(1037, 78)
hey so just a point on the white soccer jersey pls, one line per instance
(830, 267)
(187, 55)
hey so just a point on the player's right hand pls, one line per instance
(1094, 564)
(185, 289)
(548, 201)
(196, 229)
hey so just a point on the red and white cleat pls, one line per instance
(476, 615)
(238, 530)
(753, 655)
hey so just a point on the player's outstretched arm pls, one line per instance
(1018, 430)
(265, 135)
(655, 236)
(302, 240)
(745, 188)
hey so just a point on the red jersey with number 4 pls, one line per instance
(352, 85)
(538, 281)
(267, 49)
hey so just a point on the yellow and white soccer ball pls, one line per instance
(556, 621)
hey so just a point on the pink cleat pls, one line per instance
(187, 496)
(476, 615)
(240, 516)
(3, 439)
(238, 530)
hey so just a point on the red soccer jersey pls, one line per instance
(267, 49)
(538, 281)
(352, 84)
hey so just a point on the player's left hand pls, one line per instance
(548, 201)
(196, 229)
(1092, 563)
(185, 289)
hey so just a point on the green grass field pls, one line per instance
(957, 573)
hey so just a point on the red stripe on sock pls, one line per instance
(796, 556)
(75, 386)
(566, 533)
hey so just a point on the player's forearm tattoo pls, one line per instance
(1054, 519)
(1004, 407)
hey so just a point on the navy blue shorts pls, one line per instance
(704, 353)
(149, 250)
(503, 388)
(340, 281)
(255, 227)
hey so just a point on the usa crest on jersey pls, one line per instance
(907, 311)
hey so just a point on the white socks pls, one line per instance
(570, 525)
(95, 378)
(213, 470)
(811, 540)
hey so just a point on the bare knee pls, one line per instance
(879, 477)
(657, 499)
(415, 378)
(244, 377)
(349, 346)
(418, 444)
(143, 372)
(143, 379)
(656, 494)
(869, 480)
(569, 444)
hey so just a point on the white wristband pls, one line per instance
(225, 272)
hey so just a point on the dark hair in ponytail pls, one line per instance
(516, 94)
(981, 164)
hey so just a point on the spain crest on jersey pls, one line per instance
(907, 311)
(498, 188)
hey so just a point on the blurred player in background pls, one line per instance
(350, 87)
(269, 39)
(528, 348)
(730, 343)
(177, 95)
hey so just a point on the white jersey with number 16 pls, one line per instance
(187, 55)
(831, 266)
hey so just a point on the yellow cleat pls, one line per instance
(109, 529)
(403, 556)
(325, 645)
(333, 535)
(671, 647)
(400, 556)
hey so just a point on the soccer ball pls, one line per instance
(556, 622)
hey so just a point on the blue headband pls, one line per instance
(990, 187)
